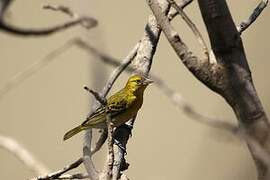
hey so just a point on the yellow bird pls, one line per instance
(122, 106)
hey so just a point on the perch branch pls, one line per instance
(110, 147)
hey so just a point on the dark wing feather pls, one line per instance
(96, 117)
(118, 103)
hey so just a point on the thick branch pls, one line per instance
(220, 26)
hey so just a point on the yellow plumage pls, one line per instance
(122, 106)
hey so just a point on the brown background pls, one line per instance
(165, 143)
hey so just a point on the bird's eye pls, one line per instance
(138, 81)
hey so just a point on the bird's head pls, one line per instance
(137, 83)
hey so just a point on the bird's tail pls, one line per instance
(73, 131)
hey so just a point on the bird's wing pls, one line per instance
(119, 103)
(97, 117)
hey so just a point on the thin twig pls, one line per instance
(32, 69)
(23, 155)
(74, 176)
(182, 4)
(58, 173)
(87, 22)
(91, 22)
(63, 9)
(193, 27)
(4, 4)
(99, 98)
(252, 18)
(190, 111)
(116, 73)
(68, 11)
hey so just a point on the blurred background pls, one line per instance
(165, 143)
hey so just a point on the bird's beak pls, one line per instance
(147, 81)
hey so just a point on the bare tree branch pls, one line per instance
(69, 12)
(32, 69)
(74, 176)
(46, 31)
(116, 73)
(57, 174)
(63, 9)
(182, 4)
(87, 22)
(110, 147)
(99, 98)
(193, 27)
(252, 18)
(23, 155)
(203, 70)
(4, 4)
